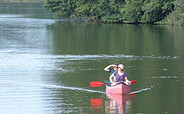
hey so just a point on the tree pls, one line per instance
(176, 17)
(61, 8)
(132, 11)
(112, 11)
(156, 10)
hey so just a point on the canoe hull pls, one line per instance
(118, 89)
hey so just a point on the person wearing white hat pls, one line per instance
(119, 76)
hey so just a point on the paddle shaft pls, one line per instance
(99, 83)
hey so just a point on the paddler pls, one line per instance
(111, 68)
(119, 76)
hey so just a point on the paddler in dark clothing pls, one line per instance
(111, 68)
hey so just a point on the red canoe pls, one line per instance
(118, 89)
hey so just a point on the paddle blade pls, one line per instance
(134, 81)
(96, 84)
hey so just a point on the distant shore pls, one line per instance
(22, 1)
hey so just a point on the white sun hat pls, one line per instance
(121, 66)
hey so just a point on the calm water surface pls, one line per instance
(46, 65)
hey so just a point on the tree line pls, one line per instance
(120, 11)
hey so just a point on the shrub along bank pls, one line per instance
(119, 11)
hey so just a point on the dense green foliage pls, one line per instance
(176, 17)
(112, 11)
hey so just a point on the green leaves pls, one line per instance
(61, 8)
(176, 17)
(111, 11)
(152, 12)
(132, 11)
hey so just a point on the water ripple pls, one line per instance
(139, 91)
(70, 88)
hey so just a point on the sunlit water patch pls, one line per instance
(33, 85)
(11, 16)
(99, 56)
(31, 60)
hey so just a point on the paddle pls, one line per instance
(99, 83)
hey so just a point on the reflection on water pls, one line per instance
(97, 105)
(114, 104)
(118, 104)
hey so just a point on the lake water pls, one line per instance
(46, 64)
